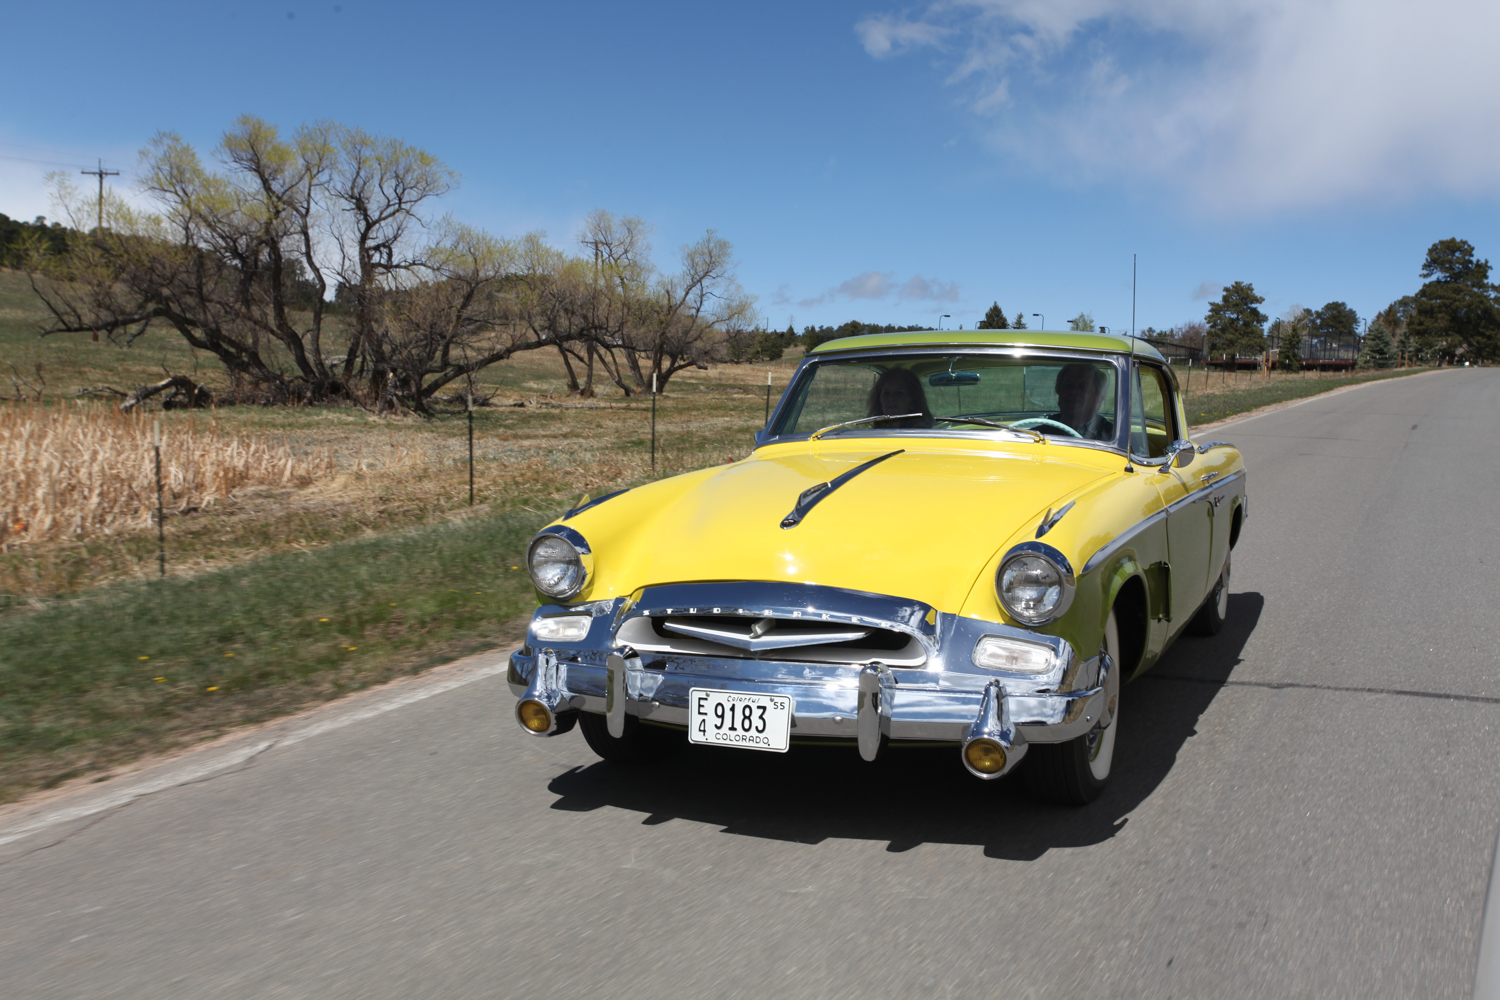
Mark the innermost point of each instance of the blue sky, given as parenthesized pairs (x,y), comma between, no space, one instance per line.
(868,160)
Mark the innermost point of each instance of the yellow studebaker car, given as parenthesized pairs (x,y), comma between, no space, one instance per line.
(964,537)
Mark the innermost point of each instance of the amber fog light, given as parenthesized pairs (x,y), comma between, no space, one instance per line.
(534,716)
(985,756)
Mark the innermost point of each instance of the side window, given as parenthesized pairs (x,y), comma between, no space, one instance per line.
(1151,424)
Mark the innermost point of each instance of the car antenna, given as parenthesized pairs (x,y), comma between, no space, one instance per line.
(1130,374)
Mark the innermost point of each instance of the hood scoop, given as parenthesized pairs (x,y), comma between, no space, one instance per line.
(764,634)
(813,495)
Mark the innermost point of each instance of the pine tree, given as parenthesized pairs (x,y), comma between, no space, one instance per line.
(1379,350)
(1234,324)
(994,319)
(1019,323)
(1289,358)
(1083,323)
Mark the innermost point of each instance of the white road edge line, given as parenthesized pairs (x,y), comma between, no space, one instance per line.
(179,775)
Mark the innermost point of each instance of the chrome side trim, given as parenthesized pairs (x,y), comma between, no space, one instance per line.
(1201,492)
(1121,540)
(1126,536)
(1213,444)
(814,495)
(1050,521)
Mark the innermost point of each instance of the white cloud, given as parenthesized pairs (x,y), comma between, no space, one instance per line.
(1207,290)
(880,285)
(870,285)
(883,34)
(1246,105)
(919,287)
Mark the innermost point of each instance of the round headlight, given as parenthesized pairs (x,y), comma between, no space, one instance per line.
(1035,583)
(557,563)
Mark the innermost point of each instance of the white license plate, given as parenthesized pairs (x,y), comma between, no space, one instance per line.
(734,719)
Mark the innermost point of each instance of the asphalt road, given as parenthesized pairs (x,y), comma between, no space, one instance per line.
(1304,805)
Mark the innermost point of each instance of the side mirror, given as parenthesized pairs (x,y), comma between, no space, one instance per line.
(1180,454)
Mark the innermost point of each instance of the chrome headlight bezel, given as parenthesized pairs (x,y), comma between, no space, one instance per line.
(584,557)
(1068,583)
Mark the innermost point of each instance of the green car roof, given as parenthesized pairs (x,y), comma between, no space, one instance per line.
(1006,338)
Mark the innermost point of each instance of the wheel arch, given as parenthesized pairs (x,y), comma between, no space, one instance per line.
(1129,599)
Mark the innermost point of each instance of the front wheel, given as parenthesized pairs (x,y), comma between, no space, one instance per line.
(1210,618)
(641,744)
(1075,773)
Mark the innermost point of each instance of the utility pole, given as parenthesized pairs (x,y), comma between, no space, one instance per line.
(101,173)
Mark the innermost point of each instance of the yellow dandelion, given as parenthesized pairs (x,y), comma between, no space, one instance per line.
(143,657)
(213,689)
(158,679)
(228,654)
(322,619)
(353,648)
(515,567)
(393,604)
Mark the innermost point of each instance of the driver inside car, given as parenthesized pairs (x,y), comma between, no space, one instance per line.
(1080,390)
(896,391)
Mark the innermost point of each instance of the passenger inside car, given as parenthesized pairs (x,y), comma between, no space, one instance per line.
(1080,390)
(898,390)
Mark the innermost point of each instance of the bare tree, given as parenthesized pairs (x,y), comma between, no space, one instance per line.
(241,263)
(458,319)
(311,268)
(684,317)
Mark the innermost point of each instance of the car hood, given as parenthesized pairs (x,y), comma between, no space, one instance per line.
(920,525)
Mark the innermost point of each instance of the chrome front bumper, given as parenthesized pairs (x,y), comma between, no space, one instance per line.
(916,704)
(949,699)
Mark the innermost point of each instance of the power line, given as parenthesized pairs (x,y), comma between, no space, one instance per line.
(44,149)
(28,159)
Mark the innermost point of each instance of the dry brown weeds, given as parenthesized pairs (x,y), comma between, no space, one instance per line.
(92,471)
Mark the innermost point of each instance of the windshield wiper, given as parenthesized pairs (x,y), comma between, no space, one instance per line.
(1038,435)
(862,420)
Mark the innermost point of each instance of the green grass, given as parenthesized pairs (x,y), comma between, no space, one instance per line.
(1206,408)
(89,683)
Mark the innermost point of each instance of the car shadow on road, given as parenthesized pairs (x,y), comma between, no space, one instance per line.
(922,795)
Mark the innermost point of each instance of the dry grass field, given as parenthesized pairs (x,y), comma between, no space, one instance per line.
(536,450)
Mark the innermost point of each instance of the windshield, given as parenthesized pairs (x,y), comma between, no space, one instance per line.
(1061,399)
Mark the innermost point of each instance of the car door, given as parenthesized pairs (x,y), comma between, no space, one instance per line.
(1154,426)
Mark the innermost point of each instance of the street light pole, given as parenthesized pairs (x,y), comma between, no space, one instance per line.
(943,317)
(1043,319)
